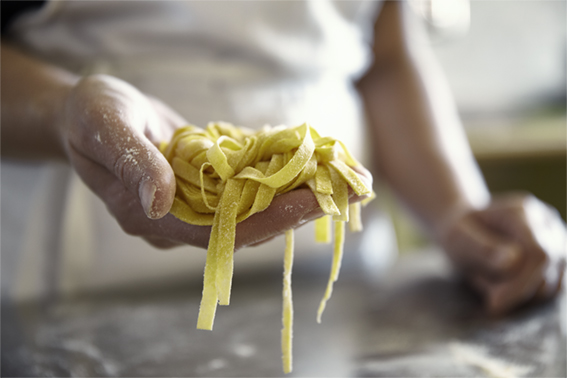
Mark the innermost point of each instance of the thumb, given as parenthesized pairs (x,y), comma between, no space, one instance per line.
(155,184)
(138,164)
(110,132)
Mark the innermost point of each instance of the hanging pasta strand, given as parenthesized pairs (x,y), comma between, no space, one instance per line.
(323,229)
(287,317)
(335,267)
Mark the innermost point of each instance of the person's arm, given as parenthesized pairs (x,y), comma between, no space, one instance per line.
(33,99)
(416,132)
(421,151)
(108,132)
(94,122)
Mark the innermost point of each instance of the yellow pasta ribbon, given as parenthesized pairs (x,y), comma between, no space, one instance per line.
(355,221)
(287,318)
(335,267)
(323,229)
(226,174)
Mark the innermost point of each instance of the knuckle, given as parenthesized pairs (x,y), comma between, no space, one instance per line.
(88,127)
(486,249)
(120,166)
(126,165)
(83,127)
(92,83)
(540,257)
(94,79)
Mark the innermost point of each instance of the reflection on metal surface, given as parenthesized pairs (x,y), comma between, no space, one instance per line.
(418,320)
(476,356)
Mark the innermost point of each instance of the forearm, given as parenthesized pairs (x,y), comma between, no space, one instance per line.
(420,147)
(33,99)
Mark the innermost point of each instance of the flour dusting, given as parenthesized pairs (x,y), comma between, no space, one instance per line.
(494,367)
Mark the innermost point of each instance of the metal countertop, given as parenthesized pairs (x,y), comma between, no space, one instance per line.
(418,320)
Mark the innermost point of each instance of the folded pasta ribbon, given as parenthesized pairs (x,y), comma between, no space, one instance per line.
(225,174)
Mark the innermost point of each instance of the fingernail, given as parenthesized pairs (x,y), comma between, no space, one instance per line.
(147,193)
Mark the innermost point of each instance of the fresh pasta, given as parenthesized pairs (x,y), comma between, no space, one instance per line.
(225,174)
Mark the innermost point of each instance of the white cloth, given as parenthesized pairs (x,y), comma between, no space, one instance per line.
(250,63)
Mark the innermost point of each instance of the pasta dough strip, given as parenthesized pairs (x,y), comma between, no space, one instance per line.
(340,196)
(351,177)
(323,229)
(290,170)
(335,266)
(265,194)
(209,299)
(287,318)
(219,161)
(185,213)
(355,222)
(226,236)
(323,180)
(191,174)
(325,201)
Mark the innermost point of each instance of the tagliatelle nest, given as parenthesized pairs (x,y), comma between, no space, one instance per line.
(225,174)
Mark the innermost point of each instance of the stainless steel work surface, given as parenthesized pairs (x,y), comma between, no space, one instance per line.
(418,320)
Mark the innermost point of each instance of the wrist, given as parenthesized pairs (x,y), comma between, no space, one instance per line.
(472,196)
(57,112)
(60,115)
(452,216)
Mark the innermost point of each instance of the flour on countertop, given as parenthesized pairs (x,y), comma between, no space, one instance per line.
(479,357)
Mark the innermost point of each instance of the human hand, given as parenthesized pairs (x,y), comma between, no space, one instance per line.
(512,252)
(110,131)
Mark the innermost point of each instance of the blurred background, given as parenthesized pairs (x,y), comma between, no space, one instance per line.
(506,64)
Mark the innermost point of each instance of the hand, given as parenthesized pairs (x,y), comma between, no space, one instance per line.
(110,131)
(512,252)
